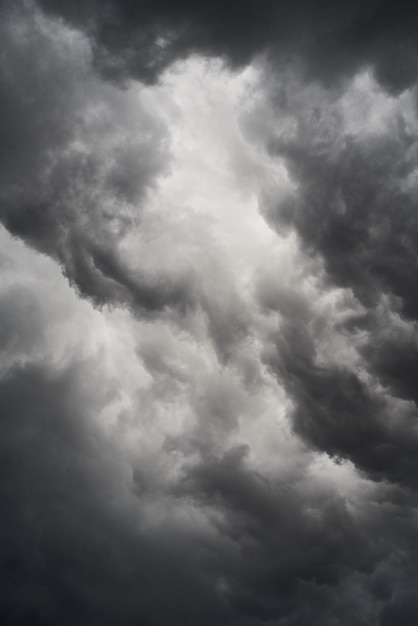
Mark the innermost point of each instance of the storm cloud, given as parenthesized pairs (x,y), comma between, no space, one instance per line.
(208,313)
(328,40)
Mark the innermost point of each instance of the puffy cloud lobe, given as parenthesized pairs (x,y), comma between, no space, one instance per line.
(95,521)
(73,550)
(75,542)
(330,41)
(78,158)
(355,206)
(279,541)
(351,164)
(339,414)
(237,445)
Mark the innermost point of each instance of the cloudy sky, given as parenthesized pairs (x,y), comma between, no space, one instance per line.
(208,313)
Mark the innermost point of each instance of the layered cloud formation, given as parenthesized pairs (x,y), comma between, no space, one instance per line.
(208,314)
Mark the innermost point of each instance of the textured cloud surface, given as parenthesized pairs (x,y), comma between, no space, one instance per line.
(208,313)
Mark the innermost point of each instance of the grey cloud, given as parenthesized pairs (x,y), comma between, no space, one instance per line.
(393,358)
(329,40)
(78,158)
(74,545)
(351,203)
(354,198)
(340,415)
(135,525)
(289,552)
(71,547)
(283,536)
(77,542)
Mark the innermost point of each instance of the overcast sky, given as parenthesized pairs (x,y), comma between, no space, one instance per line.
(208,313)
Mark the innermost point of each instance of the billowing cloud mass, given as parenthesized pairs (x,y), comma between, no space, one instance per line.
(208,313)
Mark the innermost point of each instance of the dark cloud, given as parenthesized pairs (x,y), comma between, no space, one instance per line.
(339,414)
(77,158)
(351,200)
(71,546)
(92,533)
(355,202)
(329,40)
(75,544)
(279,540)
(233,441)
(393,358)
(289,552)
(351,161)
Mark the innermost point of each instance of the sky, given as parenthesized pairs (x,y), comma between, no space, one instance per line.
(208,313)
